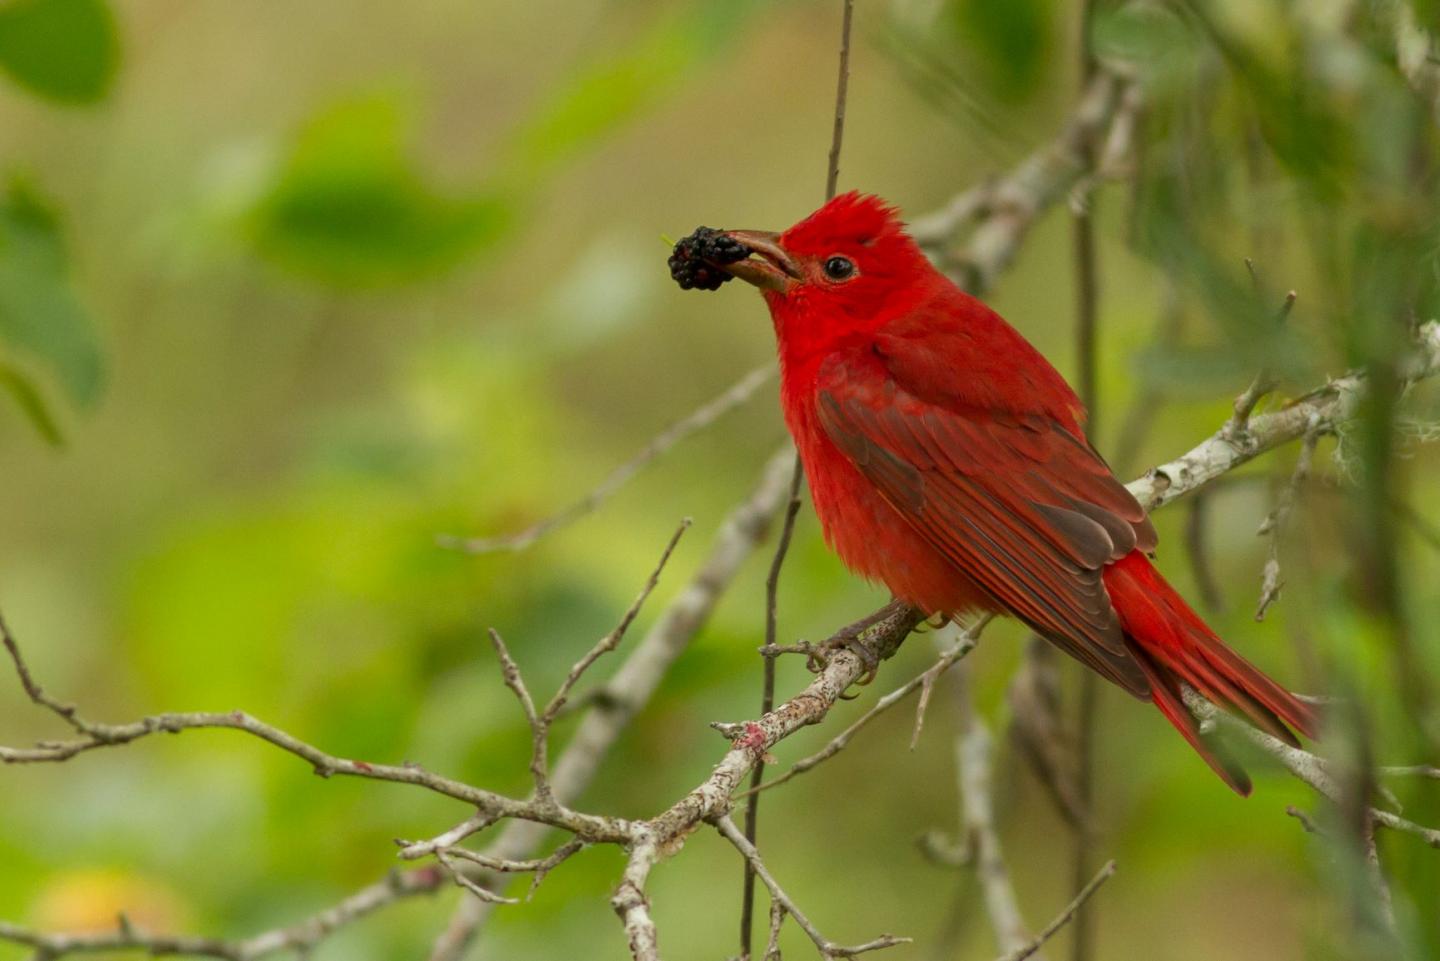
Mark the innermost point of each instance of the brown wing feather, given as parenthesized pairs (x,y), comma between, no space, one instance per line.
(1018,504)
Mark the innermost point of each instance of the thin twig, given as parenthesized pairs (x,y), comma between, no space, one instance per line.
(481,892)
(300,938)
(539,736)
(922,681)
(1263,383)
(1306,821)
(1321,409)
(1012,204)
(767,696)
(635,682)
(827,948)
(1274,524)
(612,640)
(777,921)
(1040,729)
(1410,770)
(1072,910)
(699,419)
(539,867)
(1310,768)
(1087,300)
(973,750)
(414,850)
(782,547)
(842,89)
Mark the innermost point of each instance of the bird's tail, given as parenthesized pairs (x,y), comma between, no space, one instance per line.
(1174,646)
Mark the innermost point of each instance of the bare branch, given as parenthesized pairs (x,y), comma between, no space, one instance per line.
(1410,770)
(753,739)
(537,866)
(922,681)
(413,850)
(1008,207)
(973,747)
(1306,821)
(539,735)
(701,418)
(635,682)
(767,697)
(1064,917)
(483,893)
(827,948)
(1310,768)
(842,85)
(1040,730)
(631,904)
(1197,541)
(1322,409)
(300,937)
(777,921)
(612,640)
(1274,524)
(592,827)
(1263,383)
(772,621)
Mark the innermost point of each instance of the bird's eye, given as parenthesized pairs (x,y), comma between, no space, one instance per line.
(839,268)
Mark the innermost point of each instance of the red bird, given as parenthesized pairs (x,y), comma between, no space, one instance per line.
(947,459)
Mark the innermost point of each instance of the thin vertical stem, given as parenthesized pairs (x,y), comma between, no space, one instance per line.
(1087,295)
(767,700)
(842,93)
(772,582)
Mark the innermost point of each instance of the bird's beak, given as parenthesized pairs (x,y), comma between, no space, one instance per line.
(769,267)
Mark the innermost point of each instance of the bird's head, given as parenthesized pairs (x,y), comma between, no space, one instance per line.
(850,264)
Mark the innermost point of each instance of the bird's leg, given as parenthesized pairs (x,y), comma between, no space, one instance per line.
(849,638)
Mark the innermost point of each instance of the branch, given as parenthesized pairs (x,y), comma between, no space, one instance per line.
(592,827)
(772,581)
(1263,383)
(923,681)
(1065,916)
(1008,207)
(662,836)
(539,722)
(633,684)
(828,949)
(699,419)
(300,937)
(1274,523)
(973,746)
(1323,410)
(1310,768)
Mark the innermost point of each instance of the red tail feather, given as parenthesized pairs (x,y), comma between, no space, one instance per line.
(1174,645)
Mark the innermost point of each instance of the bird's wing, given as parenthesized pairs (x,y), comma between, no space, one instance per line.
(1016,501)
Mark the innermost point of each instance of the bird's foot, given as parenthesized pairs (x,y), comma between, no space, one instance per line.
(851,638)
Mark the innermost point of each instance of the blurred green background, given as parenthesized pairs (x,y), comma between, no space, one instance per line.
(288,289)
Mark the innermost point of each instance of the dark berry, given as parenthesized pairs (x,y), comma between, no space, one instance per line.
(695,260)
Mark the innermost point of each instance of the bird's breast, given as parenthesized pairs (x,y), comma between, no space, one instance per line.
(870,536)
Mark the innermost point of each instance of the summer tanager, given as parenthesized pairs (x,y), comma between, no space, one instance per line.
(947,459)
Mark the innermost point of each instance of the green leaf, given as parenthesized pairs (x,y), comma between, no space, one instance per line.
(39,311)
(66,50)
(32,405)
(349,207)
